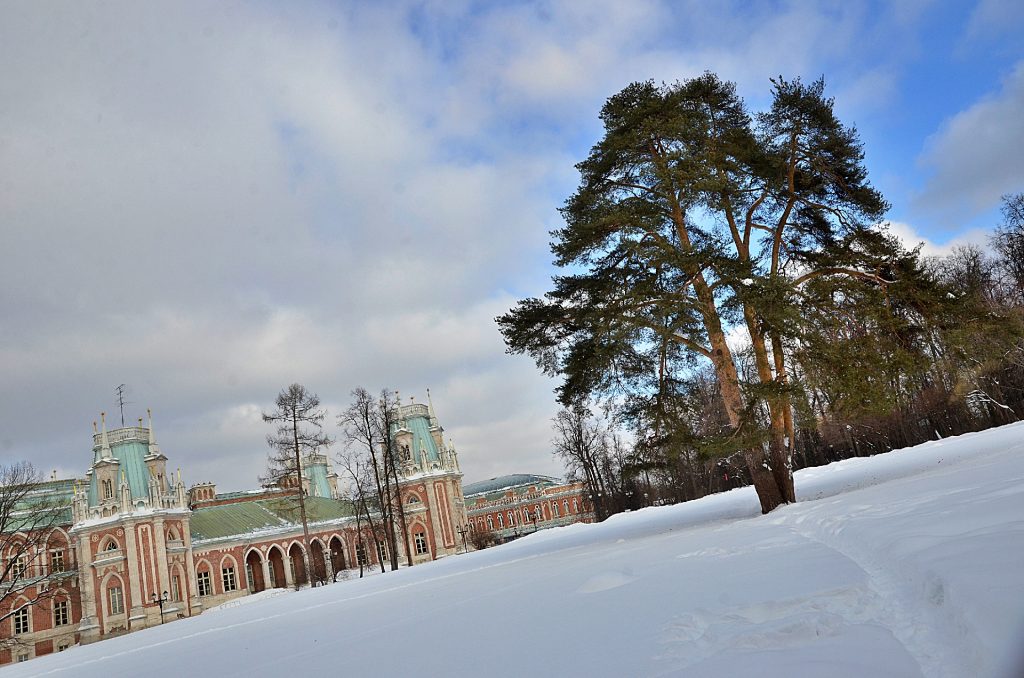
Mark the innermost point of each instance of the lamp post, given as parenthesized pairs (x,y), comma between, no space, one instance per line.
(160,600)
(463,530)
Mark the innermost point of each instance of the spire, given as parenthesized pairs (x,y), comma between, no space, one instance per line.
(104,443)
(398,405)
(153,447)
(430,409)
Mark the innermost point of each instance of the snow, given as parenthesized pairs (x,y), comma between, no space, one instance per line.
(904,564)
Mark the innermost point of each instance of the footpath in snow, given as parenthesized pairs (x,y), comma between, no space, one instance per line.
(905,564)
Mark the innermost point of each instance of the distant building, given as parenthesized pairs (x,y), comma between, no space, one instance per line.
(134,533)
(513,505)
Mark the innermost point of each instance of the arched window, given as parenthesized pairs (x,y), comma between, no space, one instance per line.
(554,509)
(501,521)
(511,518)
(575,505)
(111,545)
(413,499)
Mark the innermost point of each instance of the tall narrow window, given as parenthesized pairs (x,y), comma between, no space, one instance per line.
(501,521)
(490,523)
(227,577)
(360,554)
(20,567)
(115,600)
(382,550)
(61,613)
(205,583)
(176,588)
(421,543)
(21,621)
(554,509)
(575,505)
(56,561)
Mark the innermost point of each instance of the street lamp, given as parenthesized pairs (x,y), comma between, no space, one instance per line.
(463,530)
(160,600)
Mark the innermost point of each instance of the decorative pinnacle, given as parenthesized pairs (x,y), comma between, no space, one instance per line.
(104,443)
(430,409)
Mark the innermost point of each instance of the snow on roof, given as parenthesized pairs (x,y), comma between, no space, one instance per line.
(506,482)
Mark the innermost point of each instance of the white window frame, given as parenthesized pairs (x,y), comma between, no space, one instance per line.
(204,584)
(61,613)
(22,621)
(228,579)
(421,543)
(57,564)
(115,601)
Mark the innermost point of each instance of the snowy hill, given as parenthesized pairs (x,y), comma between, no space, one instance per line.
(905,564)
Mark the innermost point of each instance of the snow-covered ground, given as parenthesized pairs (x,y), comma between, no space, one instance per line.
(905,564)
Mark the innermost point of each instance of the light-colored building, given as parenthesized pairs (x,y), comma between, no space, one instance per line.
(514,505)
(138,549)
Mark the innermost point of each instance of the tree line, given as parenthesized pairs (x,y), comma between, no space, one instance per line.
(732,304)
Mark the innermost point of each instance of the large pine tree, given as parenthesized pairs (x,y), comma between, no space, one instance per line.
(694,220)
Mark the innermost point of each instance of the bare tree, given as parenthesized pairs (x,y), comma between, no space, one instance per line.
(368,425)
(29,512)
(388,415)
(362,494)
(580,442)
(299,419)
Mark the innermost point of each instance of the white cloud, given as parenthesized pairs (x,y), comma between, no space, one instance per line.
(911,238)
(209,203)
(978,154)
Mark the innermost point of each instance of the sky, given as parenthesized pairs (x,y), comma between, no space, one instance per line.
(209,201)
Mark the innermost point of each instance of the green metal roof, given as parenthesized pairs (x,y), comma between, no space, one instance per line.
(502,483)
(131,457)
(48,504)
(415,418)
(227,520)
(242,518)
(317,474)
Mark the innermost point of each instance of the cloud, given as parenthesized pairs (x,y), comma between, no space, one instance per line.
(911,238)
(977,155)
(991,18)
(208,203)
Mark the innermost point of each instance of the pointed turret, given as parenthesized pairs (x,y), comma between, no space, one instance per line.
(153,447)
(430,409)
(104,442)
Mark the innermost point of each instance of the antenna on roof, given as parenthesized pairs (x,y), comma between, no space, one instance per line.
(121,402)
